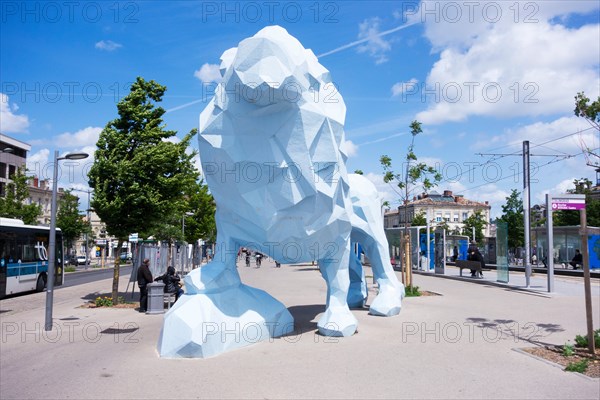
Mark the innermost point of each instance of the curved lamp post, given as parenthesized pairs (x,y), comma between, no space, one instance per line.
(52,238)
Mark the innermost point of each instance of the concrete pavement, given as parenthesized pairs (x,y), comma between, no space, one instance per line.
(456,345)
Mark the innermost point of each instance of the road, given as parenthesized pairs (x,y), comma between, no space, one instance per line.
(91,275)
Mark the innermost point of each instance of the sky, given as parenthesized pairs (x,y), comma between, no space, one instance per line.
(481,77)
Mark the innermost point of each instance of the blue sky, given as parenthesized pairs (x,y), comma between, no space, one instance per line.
(481,77)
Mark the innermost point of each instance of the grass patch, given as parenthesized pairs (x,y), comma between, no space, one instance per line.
(70,268)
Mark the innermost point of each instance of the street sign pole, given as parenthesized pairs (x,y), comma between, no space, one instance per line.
(586,281)
(550,240)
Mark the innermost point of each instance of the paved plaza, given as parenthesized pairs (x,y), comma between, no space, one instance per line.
(459,344)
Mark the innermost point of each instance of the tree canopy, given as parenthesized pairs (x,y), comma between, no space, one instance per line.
(68,219)
(416,175)
(512,214)
(477,221)
(587,110)
(141,172)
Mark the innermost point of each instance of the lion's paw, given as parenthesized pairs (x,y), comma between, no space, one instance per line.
(388,302)
(337,321)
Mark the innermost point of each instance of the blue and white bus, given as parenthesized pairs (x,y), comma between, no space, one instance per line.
(24,257)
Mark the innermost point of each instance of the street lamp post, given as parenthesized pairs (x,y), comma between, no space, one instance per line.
(52,238)
(186,214)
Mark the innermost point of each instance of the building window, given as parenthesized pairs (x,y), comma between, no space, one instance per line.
(2,170)
(438,217)
(11,171)
(465,215)
(447,217)
(455,217)
(2,189)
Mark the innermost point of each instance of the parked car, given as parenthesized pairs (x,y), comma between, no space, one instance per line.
(126,257)
(82,260)
(70,260)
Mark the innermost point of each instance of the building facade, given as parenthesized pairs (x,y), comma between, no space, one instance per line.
(439,208)
(13,155)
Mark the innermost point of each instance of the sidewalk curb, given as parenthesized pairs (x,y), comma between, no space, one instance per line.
(555,365)
(487,282)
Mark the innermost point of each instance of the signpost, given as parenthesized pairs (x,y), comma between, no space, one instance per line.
(568,203)
(572,202)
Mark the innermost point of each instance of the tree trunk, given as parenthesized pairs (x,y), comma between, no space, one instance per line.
(115,285)
(407,261)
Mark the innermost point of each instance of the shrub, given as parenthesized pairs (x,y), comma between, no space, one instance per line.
(568,350)
(104,301)
(579,366)
(412,291)
(582,340)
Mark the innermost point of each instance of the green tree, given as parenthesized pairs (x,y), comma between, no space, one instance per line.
(477,221)
(358,172)
(419,219)
(13,205)
(201,224)
(456,231)
(416,176)
(512,214)
(139,176)
(68,219)
(587,110)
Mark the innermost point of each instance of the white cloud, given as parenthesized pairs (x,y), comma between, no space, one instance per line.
(36,159)
(72,173)
(401,87)
(376,46)
(539,133)
(107,45)
(9,121)
(84,137)
(349,148)
(507,69)
(208,73)
(386,191)
(461,24)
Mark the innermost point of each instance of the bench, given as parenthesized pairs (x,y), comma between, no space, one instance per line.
(169,298)
(464,264)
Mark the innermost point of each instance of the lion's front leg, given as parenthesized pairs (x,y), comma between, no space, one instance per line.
(219,313)
(388,301)
(337,319)
(220,273)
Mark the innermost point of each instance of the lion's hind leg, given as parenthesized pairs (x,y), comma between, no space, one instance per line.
(388,301)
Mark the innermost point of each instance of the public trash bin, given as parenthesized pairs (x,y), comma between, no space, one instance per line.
(156,303)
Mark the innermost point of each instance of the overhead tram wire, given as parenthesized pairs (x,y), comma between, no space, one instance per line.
(517,152)
(519,173)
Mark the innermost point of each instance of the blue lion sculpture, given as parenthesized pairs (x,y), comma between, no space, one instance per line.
(272,152)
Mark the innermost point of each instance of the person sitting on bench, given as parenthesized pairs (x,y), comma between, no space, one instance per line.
(171,282)
(577,259)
